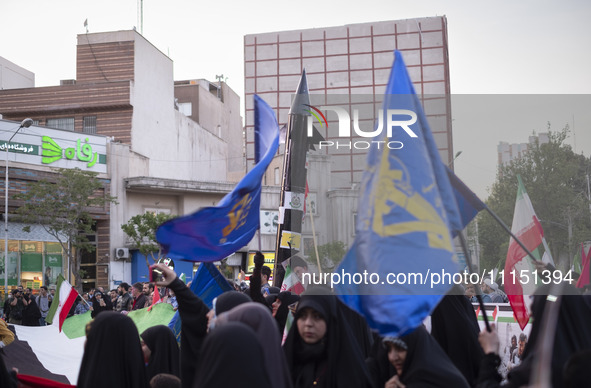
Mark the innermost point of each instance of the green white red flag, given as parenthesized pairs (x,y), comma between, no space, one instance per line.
(527,228)
(291,282)
(64,299)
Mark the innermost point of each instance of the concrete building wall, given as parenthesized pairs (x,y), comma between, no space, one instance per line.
(13,76)
(152,97)
(343,209)
(216,111)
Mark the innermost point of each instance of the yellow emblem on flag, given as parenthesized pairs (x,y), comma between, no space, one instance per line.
(291,240)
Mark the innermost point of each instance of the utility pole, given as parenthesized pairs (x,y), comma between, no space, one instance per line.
(140,16)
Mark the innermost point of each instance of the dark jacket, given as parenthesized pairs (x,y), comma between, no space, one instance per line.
(139,302)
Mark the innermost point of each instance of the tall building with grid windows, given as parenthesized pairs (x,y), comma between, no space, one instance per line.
(348,66)
(352,60)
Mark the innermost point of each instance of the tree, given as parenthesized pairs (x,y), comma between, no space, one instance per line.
(141,230)
(554,177)
(330,254)
(64,206)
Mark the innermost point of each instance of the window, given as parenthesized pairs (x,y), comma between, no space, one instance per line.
(89,125)
(277,176)
(66,123)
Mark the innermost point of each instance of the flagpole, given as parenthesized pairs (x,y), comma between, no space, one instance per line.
(314,236)
(476,286)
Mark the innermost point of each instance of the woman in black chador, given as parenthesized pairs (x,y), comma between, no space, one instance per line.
(112,338)
(161,351)
(99,304)
(320,348)
(232,356)
(420,362)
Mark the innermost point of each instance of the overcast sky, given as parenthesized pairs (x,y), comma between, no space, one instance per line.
(534,47)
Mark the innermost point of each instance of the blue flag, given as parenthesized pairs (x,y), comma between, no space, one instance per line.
(406,215)
(468,203)
(208,283)
(213,233)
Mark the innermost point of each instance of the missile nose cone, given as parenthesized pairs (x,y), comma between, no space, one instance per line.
(301,98)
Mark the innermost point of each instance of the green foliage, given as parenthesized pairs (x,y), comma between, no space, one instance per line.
(62,207)
(330,254)
(555,180)
(141,230)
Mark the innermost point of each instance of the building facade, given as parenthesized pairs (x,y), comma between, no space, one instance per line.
(170,148)
(508,152)
(346,66)
(36,257)
(13,76)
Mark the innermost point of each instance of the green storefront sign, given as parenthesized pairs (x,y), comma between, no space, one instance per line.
(20,148)
(83,152)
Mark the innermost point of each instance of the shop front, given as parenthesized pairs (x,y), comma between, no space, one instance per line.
(34,259)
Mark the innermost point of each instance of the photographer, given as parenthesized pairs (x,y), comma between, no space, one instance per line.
(17,307)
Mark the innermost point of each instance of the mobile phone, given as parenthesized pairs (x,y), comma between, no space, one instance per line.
(155,274)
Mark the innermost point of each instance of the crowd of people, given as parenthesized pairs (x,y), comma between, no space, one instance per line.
(241,342)
(24,307)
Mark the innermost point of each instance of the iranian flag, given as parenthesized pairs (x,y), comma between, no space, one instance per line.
(291,282)
(585,267)
(527,228)
(65,297)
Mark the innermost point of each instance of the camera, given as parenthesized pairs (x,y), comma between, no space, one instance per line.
(156,275)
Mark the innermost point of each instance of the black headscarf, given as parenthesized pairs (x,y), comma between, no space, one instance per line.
(426,364)
(286,298)
(96,305)
(359,327)
(31,314)
(231,356)
(572,334)
(455,327)
(260,320)
(228,300)
(7,379)
(380,368)
(112,339)
(335,361)
(164,357)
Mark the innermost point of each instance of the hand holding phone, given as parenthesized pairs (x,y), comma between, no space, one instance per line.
(161,274)
(156,274)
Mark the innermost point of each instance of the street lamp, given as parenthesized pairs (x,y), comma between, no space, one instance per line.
(26,123)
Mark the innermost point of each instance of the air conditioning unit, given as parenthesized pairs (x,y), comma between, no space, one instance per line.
(121,253)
